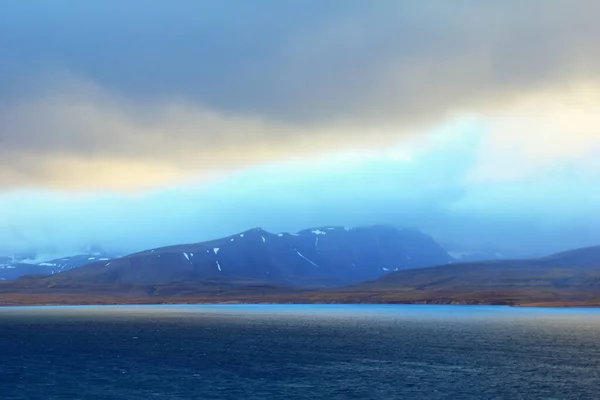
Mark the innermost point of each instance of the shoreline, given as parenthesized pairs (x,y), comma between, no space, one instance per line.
(562,305)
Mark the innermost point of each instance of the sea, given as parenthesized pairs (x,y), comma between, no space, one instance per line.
(299,352)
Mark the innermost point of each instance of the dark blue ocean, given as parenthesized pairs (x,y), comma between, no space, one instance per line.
(298,352)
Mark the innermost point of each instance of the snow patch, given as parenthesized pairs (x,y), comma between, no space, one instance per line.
(280,234)
(242,235)
(216,250)
(300,254)
(186,256)
(219,266)
(385,269)
(44,258)
(263,239)
(319,232)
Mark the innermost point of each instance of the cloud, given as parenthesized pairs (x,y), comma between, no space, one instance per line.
(326,60)
(548,133)
(166,94)
(82,137)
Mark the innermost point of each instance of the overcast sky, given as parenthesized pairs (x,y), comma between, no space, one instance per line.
(133,124)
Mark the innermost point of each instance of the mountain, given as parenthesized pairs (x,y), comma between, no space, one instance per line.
(15,266)
(567,277)
(217,275)
(316,257)
(10,268)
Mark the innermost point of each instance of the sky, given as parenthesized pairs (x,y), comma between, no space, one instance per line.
(138,124)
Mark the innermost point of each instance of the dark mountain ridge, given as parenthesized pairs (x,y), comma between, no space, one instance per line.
(568,276)
(551,271)
(316,257)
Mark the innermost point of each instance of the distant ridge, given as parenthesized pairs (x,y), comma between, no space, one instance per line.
(568,277)
(315,257)
(15,266)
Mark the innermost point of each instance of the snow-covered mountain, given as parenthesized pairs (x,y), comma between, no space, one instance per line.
(323,256)
(17,265)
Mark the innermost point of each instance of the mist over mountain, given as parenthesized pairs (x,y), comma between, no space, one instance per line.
(16,265)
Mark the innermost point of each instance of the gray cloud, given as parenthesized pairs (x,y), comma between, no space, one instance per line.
(311,59)
(208,86)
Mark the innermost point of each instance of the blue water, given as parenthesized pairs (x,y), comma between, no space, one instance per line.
(299,352)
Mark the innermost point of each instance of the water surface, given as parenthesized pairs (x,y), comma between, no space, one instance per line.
(299,352)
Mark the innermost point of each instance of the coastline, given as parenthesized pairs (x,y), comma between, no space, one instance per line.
(145,301)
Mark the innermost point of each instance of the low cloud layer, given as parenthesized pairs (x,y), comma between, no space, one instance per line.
(423,183)
(167,93)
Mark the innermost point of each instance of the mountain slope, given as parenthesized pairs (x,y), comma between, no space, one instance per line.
(566,279)
(10,269)
(15,266)
(318,257)
(563,277)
